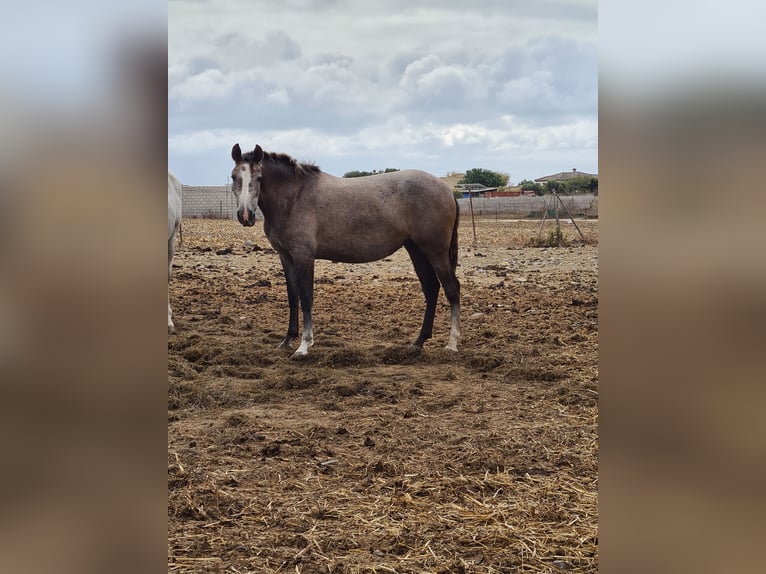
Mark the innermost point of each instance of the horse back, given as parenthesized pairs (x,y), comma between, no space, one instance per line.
(368,218)
(397,195)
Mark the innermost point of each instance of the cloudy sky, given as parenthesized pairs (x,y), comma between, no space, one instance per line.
(438,85)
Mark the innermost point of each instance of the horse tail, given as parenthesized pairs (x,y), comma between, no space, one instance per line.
(453,242)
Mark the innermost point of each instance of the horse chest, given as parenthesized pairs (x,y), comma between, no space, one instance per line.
(282,240)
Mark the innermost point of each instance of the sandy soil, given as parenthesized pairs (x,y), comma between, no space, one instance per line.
(368,455)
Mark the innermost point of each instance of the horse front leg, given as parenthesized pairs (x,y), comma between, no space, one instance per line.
(171,251)
(292,299)
(304,272)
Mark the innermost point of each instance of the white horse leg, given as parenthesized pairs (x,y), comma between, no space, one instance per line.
(307,340)
(454,331)
(304,274)
(171,250)
(171,327)
(449,281)
(174,226)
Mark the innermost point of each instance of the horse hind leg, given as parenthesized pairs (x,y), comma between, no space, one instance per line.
(449,281)
(304,273)
(430,285)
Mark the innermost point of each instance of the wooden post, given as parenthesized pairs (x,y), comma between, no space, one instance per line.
(473,223)
(572,220)
(545,216)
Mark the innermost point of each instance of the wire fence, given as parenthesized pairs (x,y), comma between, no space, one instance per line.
(218,202)
(529,207)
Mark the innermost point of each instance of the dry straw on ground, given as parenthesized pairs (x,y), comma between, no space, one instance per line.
(369,456)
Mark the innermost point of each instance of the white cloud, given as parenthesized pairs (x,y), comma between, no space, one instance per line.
(279,97)
(528,88)
(430,77)
(338,81)
(507,134)
(207,85)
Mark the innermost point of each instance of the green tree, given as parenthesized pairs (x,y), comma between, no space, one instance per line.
(486,177)
(529,185)
(551,186)
(579,185)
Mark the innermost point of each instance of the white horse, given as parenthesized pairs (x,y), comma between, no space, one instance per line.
(174,223)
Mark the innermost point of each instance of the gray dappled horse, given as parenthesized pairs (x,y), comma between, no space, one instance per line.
(174,223)
(309,214)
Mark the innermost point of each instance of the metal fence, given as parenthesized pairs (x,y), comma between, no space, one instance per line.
(529,207)
(218,202)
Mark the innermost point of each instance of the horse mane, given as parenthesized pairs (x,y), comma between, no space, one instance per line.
(285,161)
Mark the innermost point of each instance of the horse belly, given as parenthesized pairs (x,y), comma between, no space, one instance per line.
(369,235)
(357,251)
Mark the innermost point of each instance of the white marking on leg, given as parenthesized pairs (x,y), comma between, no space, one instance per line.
(307,340)
(454,332)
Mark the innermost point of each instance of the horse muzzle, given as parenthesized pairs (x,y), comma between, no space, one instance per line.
(246,217)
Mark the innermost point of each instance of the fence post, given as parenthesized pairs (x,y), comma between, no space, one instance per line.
(470,203)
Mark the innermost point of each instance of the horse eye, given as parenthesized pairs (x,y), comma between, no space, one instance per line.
(258,178)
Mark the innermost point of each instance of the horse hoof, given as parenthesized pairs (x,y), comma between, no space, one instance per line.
(298,355)
(171,329)
(452,348)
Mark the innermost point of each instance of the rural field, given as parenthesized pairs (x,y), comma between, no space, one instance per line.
(370,455)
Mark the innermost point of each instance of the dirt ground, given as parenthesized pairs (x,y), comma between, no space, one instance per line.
(368,455)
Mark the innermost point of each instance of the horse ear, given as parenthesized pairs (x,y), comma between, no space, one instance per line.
(258,154)
(236,153)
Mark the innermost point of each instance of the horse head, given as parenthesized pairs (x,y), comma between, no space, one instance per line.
(246,182)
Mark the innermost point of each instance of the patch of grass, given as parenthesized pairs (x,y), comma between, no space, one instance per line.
(555,238)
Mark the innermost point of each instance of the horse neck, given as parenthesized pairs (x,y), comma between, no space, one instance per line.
(278,191)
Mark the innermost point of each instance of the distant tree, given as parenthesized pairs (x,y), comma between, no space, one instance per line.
(486,177)
(567,187)
(356,173)
(528,185)
(579,185)
(551,186)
